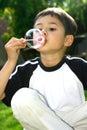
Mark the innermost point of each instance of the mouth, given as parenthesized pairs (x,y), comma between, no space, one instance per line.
(39,42)
(40,46)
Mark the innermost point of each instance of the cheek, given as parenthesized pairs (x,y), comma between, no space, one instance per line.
(57,38)
(58,41)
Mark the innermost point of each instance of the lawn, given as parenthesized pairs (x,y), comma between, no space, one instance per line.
(7,121)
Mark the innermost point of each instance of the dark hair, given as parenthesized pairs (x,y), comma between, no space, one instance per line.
(67,21)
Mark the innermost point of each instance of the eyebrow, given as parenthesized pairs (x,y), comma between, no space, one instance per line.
(49,23)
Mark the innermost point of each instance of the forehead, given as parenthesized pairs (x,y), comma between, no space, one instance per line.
(48,19)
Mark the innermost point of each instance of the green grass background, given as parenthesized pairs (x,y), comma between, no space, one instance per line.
(7,121)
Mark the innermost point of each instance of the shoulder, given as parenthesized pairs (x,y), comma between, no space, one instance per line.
(77,65)
(29,63)
(27,67)
(76,61)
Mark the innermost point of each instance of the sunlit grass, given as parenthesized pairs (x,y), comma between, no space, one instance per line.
(86,94)
(7,121)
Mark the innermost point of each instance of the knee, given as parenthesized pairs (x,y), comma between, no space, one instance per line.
(22,99)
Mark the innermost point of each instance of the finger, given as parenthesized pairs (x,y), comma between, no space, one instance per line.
(23,40)
(15,42)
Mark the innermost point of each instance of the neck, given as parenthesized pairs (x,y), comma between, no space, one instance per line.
(51,60)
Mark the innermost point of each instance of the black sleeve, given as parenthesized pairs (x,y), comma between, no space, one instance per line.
(19,79)
(84,74)
(79,67)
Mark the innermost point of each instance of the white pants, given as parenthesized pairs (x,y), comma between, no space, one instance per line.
(31,110)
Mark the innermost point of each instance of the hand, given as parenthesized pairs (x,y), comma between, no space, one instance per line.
(13,48)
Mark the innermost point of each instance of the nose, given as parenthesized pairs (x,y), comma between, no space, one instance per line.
(44,32)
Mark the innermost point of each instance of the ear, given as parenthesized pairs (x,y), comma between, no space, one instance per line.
(69,40)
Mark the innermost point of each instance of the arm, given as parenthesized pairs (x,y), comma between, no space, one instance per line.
(13,49)
(4,76)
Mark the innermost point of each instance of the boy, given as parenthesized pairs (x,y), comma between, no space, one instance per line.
(47,93)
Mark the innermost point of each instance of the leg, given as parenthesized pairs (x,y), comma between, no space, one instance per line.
(32,112)
(77,117)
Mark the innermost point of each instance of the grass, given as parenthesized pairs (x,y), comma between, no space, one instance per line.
(7,121)
(86,94)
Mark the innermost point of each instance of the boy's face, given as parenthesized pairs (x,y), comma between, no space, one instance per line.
(54,32)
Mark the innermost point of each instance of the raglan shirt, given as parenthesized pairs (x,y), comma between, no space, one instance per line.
(62,86)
